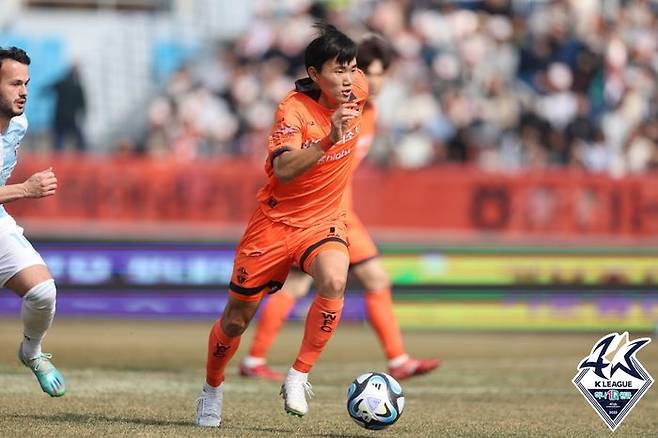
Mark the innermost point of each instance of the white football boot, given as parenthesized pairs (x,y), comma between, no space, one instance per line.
(293,390)
(209,407)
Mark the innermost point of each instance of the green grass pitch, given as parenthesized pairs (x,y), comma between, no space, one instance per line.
(140,378)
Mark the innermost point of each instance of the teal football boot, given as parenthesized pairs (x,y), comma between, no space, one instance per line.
(50,379)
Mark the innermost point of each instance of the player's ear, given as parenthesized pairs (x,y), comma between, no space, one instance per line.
(313,73)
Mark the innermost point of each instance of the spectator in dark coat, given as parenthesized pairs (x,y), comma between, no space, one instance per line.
(70,108)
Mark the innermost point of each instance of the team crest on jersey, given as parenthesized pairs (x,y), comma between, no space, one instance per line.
(612,379)
(242,275)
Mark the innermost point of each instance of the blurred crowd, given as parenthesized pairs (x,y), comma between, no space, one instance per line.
(501,84)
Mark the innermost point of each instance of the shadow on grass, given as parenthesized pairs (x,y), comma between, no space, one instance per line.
(308,434)
(94,418)
(91,418)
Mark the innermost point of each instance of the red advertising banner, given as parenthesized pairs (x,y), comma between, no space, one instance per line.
(143,190)
(534,202)
(445,198)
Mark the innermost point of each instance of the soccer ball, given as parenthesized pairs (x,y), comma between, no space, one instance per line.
(375,400)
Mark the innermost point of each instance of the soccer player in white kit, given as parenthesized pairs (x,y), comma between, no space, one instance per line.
(21,268)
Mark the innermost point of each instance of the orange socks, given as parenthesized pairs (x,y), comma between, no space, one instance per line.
(321,322)
(275,312)
(379,306)
(221,349)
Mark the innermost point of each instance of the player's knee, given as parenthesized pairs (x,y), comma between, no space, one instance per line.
(297,284)
(372,275)
(298,288)
(332,285)
(237,316)
(297,293)
(379,281)
(234,326)
(42,296)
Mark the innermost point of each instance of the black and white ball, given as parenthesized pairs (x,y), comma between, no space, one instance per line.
(375,400)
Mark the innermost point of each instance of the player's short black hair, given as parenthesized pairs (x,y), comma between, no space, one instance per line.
(331,44)
(14,53)
(372,48)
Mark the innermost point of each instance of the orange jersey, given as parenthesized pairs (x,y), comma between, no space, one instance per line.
(366,136)
(317,194)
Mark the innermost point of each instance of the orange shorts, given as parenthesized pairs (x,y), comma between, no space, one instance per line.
(362,248)
(268,249)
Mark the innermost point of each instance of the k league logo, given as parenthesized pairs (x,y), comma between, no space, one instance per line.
(612,379)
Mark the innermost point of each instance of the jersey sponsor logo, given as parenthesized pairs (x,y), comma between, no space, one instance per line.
(612,379)
(328,158)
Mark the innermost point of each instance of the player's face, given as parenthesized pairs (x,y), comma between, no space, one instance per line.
(14,77)
(335,81)
(376,74)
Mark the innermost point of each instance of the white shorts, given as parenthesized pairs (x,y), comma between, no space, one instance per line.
(16,252)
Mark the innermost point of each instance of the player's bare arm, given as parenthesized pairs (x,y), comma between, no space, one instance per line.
(290,164)
(39,185)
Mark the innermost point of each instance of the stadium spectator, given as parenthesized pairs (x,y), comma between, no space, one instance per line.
(470,77)
(70,109)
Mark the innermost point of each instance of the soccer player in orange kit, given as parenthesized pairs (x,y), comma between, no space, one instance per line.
(300,218)
(374,57)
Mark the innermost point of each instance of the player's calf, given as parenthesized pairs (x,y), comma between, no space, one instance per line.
(37,312)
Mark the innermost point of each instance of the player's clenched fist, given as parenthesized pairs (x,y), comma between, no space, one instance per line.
(340,120)
(41,184)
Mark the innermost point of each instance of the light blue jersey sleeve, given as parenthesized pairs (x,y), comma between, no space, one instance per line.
(11,140)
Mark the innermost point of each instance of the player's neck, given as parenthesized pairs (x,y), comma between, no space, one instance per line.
(308,87)
(328,103)
(4,124)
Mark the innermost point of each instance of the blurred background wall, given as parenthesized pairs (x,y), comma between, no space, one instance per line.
(511,183)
